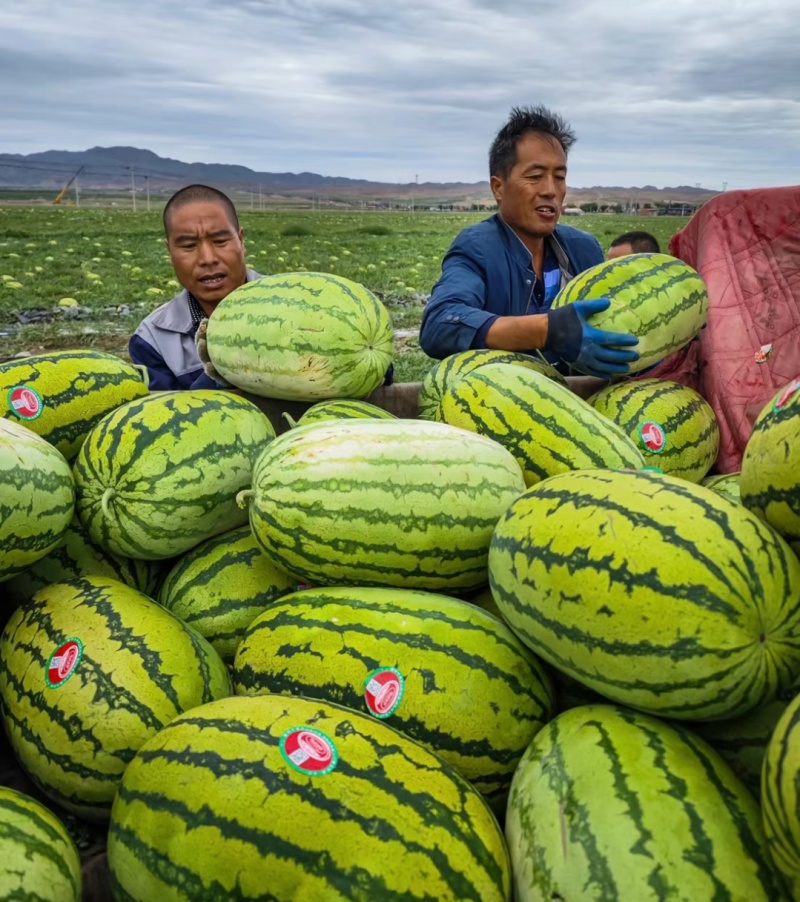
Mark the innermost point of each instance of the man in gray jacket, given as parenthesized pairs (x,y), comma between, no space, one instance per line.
(206,248)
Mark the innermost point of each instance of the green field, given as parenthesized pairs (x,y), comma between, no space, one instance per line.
(114,264)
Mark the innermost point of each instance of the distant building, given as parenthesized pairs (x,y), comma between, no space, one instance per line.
(571,211)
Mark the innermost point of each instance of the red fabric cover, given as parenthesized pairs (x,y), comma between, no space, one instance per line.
(746,247)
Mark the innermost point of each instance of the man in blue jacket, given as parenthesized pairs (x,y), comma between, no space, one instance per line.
(500,276)
(206,248)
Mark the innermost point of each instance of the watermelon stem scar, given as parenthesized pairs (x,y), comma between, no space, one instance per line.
(289,419)
(104,501)
(242,498)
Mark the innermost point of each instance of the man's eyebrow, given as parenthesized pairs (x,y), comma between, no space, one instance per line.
(543,166)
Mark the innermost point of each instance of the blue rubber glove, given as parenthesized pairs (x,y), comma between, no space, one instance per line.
(592,351)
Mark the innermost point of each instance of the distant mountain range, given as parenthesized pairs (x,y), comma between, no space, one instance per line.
(117,168)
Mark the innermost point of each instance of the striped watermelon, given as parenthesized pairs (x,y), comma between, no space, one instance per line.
(62,395)
(302,336)
(658,298)
(743,741)
(652,591)
(770,480)
(343,409)
(445,372)
(726,485)
(435,668)
(159,475)
(382,502)
(672,426)
(780,795)
(289,798)
(544,425)
(610,804)
(484,599)
(38,859)
(75,556)
(89,669)
(221,586)
(37,498)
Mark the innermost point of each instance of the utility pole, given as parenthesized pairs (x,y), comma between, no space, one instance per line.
(260,200)
(133,190)
(77,193)
(724,186)
(147,185)
(251,197)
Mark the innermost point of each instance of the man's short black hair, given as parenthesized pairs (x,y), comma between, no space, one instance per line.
(193,194)
(640,242)
(523,120)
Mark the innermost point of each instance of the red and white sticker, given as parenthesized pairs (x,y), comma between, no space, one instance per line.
(787,394)
(653,436)
(300,586)
(25,402)
(763,354)
(63,663)
(383,691)
(309,751)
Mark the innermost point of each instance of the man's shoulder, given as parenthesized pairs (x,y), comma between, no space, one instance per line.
(174,316)
(572,237)
(480,236)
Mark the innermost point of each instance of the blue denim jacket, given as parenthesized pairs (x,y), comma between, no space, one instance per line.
(487,273)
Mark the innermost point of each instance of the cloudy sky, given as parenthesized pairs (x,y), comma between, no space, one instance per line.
(660,92)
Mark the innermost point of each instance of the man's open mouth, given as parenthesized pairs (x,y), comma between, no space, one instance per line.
(213,280)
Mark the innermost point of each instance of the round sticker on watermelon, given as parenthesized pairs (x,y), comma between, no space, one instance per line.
(25,402)
(383,691)
(63,662)
(309,751)
(786,395)
(653,436)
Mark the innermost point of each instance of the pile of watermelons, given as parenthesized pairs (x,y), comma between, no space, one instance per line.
(525,643)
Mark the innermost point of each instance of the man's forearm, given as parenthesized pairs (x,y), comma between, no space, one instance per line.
(518,333)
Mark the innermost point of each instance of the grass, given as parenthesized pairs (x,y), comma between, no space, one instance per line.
(106,259)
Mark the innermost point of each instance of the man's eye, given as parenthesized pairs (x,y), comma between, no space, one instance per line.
(220,242)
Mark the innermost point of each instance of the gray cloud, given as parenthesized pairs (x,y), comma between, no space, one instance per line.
(666,92)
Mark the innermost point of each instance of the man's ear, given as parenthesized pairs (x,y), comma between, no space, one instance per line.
(496,184)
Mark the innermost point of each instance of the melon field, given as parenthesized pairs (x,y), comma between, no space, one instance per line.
(113,263)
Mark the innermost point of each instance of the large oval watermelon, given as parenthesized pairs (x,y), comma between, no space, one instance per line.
(610,804)
(655,297)
(89,669)
(544,425)
(770,480)
(160,474)
(672,425)
(302,336)
(382,502)
(651,590)
(292,799)
(37,498)
(38,859)
(62,395)
(438,669)
(344,409)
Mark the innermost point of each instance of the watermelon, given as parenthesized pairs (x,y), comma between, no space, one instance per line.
(770,480)
(76,555)
(89,669)
(726,484)
(743,741)
(655,297)
(301,336)
(62,395)
(673,426)
(435,668)
(780,795)
(221,586)
(381,502)
(445,372)
(653,591)
(159,475)
(292,798)
(39,860)
(341,410)
(611,804)
(37,498)
(544,425)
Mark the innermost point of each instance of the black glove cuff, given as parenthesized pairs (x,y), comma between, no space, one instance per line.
(564,333)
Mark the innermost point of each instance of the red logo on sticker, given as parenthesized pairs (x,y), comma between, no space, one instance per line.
(309,751)
(25,402)
(653,436)
(383,691)
(63,662)
(787,394)
(301,586)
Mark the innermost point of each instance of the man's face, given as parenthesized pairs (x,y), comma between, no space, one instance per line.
(621,250)
(206,251)
(530,197)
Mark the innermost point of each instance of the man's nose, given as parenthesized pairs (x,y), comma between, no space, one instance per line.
(208,252)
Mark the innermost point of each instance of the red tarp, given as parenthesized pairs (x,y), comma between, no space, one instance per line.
(746,246)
